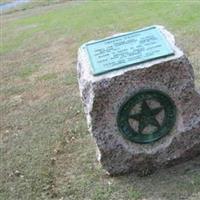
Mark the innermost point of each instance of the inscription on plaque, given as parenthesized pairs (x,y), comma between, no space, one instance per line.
(128,49)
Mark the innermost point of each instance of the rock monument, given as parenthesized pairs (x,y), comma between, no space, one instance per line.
(140,101)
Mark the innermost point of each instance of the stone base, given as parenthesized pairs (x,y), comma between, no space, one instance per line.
(103,95)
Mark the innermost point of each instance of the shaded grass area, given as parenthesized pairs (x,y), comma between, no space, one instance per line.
(46,151)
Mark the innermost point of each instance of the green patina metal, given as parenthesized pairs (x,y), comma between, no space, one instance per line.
(147,116)
(128,49)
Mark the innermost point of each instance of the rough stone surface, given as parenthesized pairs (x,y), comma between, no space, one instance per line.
(103,95)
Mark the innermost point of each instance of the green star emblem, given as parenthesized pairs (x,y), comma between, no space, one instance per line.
(147,116)
(134,123)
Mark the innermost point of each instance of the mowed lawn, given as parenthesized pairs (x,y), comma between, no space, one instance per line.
(46,151)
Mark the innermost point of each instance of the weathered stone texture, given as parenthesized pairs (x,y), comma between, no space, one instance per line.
(103,95)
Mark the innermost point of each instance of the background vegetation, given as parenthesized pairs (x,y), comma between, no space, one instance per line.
(46,151)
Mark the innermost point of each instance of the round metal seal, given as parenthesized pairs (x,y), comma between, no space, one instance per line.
(147,116)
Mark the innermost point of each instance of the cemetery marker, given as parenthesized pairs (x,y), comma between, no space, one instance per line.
(128,49)
(140,101)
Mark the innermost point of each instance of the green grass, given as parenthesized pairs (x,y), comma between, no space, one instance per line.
(46,151)
(88,19)
(47,77)
(28,70)
(5,1)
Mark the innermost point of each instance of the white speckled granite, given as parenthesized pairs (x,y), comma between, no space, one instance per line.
(103,95)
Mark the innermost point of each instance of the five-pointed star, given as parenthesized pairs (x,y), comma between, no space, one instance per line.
(147,116)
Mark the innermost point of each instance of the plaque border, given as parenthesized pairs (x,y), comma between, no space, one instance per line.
(134,63)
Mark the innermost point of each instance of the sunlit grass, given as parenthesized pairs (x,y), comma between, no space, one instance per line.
(46,151)
(86,19)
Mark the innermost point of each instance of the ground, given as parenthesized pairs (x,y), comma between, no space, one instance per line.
(45,149)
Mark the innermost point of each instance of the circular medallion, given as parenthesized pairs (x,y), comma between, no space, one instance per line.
(147,116)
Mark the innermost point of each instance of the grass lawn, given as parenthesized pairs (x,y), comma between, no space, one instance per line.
(46,151)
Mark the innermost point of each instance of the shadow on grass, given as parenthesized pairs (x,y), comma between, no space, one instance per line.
(81,177)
